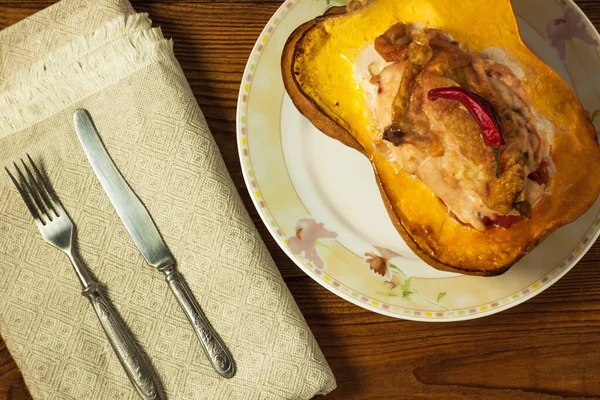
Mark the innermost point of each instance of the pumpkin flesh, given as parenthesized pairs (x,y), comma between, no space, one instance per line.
(319,72)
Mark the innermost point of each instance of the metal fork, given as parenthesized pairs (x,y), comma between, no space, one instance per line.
(57,229)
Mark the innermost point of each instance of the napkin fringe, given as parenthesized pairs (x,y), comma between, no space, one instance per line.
(88,64)
(79,47)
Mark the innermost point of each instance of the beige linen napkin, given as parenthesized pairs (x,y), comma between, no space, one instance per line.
(100,56)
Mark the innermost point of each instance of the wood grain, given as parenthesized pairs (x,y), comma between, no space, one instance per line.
(547,348)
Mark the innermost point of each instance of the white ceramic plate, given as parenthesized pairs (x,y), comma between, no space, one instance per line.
(312,192)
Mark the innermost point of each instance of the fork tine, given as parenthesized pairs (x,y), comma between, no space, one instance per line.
(44,194)
(56,206)
(28,203)
(33,195)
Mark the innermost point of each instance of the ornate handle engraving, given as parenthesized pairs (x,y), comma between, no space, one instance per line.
(213,346)
(130,356)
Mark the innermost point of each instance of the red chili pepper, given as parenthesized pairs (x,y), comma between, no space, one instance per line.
(484,113)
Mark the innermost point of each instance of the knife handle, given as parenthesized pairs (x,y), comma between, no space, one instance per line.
(133,361)
(213,346)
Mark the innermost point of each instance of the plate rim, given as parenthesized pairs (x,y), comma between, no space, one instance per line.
(559,271)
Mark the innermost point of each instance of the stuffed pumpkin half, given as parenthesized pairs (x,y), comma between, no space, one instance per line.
(479,148)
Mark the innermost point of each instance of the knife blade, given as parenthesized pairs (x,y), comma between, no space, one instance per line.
(132,212)
(145,234)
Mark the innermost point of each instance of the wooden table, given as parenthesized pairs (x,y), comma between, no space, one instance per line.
(547,348)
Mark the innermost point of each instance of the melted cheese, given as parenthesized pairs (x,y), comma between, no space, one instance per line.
(452,178)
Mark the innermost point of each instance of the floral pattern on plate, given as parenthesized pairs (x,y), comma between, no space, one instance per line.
(306,240)
(568,27)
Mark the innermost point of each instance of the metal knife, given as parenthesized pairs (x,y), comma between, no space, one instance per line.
(145,234)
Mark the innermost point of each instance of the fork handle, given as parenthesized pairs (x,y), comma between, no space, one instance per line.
(133,361)
(216,351)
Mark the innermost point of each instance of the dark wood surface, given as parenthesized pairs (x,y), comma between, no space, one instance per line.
(547,348)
